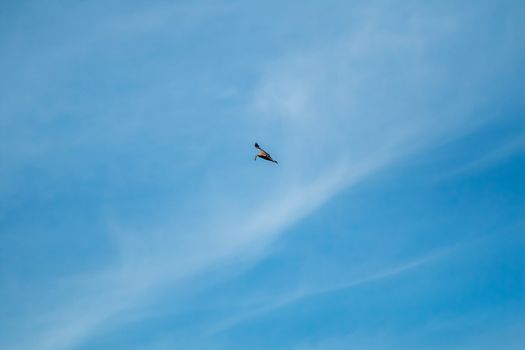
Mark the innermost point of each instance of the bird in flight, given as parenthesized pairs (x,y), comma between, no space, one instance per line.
(263,154)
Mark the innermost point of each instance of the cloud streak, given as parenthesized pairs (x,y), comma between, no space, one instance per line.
(339,112)
(305,292)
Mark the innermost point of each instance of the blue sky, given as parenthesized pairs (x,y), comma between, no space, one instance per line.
(132,214)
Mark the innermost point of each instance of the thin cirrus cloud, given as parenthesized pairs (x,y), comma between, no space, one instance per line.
(338,113)
(274,302)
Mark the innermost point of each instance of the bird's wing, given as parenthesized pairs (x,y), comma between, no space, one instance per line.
(260,149)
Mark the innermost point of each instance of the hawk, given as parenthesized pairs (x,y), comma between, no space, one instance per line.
(263,154)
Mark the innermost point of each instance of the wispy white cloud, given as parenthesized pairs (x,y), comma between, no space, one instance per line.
(491,158)
(508,337)
(303,292)
(146,268)
(337,114)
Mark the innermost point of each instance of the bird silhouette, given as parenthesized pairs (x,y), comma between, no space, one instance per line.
(263,154)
